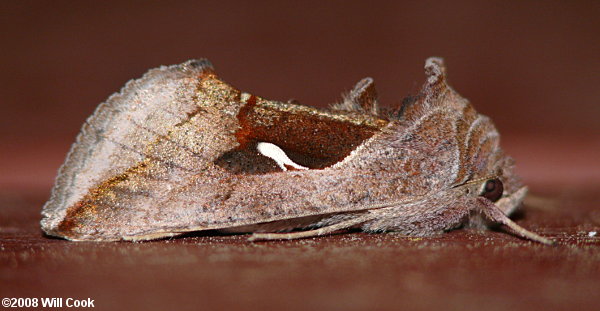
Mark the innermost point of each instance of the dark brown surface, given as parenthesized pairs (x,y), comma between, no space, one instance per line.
(466,270)
(532,66)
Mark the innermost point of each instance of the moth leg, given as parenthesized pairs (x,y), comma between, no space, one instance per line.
(311,233)
(493,213)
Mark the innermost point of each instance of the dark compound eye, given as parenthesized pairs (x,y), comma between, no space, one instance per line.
(492,190)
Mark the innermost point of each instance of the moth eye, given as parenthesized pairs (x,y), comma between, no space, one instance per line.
(492,189)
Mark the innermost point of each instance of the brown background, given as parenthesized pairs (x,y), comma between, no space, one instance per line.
(532,66)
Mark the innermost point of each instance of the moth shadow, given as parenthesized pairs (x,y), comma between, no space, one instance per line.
(519,214)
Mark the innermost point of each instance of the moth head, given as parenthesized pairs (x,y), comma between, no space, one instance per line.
(497,191)
(493,190)
(504,187)
(494,204)
(497,183)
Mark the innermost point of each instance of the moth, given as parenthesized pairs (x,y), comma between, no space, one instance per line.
(180,150)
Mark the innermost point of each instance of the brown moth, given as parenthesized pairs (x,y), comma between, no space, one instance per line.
(180,150)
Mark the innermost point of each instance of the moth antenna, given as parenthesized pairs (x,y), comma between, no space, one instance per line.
(493,213)
(311,233)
